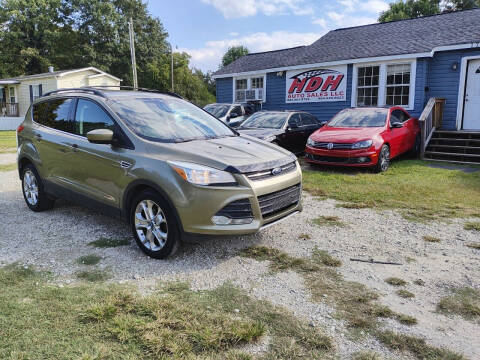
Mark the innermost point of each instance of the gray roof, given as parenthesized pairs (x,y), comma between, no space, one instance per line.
(411,36)
(54,73)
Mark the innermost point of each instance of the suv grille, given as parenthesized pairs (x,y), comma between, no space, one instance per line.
(265,174)
(240,209)
(274,203)
(335,146)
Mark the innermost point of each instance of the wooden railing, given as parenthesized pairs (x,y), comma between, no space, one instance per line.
(430,120)
(9,109)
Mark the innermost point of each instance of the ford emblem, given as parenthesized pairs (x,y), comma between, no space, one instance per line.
(276,171)
(330,146)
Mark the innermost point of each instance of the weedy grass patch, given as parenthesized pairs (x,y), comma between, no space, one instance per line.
(431,239)
(109,242)
(405,294)
(8,142)
(111,321)
(394,281)
(8,167)
(410,186)
(463,301)
(328,221)
(89,260)
(472,225)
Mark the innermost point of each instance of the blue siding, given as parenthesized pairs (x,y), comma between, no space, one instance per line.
(324,111)
(434,78)
(225,90)
(443,82)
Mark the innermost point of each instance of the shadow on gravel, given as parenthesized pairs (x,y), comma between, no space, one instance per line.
(55,239)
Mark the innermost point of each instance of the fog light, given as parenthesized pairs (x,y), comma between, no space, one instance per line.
(223,220)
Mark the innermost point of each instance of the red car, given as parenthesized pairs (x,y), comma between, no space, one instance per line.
(364,137)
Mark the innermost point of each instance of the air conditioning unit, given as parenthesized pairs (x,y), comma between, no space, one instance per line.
(254,94)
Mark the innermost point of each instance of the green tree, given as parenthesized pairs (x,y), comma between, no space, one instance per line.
(461,4)
(409,9)
(233,53)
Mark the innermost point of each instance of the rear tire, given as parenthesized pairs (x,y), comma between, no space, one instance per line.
(33,190)
(154,225)
(383,162)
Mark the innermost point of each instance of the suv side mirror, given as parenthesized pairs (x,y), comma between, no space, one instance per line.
(323,123)
(100,136)
(233,115)
(396,125)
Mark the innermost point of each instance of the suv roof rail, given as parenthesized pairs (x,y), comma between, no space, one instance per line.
(85,89)
(133,88)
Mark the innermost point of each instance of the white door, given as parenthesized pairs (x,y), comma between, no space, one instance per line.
(471,112)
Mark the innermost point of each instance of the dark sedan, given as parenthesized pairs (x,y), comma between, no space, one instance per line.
(288,129)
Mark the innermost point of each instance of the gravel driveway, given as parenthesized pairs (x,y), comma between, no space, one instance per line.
(54,240)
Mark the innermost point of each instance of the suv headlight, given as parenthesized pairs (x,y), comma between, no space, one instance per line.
(202,175)
(310,142)
(362,144)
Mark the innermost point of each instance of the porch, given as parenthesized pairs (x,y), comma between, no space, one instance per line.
(9,109)
(437,144)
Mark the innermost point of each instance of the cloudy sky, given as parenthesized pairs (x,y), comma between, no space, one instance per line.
(206,28)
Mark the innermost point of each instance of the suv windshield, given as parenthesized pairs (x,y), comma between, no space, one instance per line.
(168,119)
(359,118)
(265,121)
(217,110)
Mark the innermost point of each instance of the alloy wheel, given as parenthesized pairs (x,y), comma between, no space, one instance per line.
(151,225)
(30,187)
(385,158)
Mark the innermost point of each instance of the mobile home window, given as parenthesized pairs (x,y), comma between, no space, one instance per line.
(36,91)
(12,95)
(367,85)
(398,84)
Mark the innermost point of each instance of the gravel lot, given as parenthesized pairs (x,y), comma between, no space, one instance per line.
(53,241)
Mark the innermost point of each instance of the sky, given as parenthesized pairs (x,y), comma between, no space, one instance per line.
(206,28)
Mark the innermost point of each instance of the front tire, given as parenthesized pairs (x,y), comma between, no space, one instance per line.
(154,225)
(383,162)
(33,191)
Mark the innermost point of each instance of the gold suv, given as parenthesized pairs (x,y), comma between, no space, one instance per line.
(164,165)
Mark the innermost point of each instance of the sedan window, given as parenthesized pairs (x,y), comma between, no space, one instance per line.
(359,118)
(265,121)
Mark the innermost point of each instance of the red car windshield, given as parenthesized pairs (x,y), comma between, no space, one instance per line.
(349,118)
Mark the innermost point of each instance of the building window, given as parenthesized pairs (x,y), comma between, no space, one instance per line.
(12,95)
(367,85)
(241,84)
(36,91)
(257,83)
(398,84)
(384,84)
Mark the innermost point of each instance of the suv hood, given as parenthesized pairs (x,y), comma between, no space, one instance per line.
(261,133)
(236,154)
(345,135)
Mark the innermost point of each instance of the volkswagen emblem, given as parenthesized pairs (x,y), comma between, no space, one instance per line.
(276,171)
(330,146)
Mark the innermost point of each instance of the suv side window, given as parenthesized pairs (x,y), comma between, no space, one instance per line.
(56,115)
(90,116)
(308,120)
(399,116)
(237,110)
(38,112)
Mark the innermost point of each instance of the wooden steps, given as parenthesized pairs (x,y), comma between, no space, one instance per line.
(454,146)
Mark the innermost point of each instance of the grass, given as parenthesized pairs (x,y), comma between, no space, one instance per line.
(419,282)
(353,205)
(366,355)
(354,303)
(409,186)
(395,281)
(416,346)
(464,302)
(304,237)
(109,321)
(89,259)
(8,167)
(328,221)
(324,258)
(432,239)
(405,294)
(94,275)
(475,246)
(8,141)
(472,226)
(109,243)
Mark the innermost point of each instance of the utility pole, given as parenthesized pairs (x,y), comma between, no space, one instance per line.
(132,54)
(171,67)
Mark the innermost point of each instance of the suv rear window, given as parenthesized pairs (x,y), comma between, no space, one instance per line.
(54,114)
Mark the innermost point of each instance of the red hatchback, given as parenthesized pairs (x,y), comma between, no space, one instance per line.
(364,137)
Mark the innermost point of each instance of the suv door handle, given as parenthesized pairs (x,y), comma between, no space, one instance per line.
(75,147)
(38,137)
